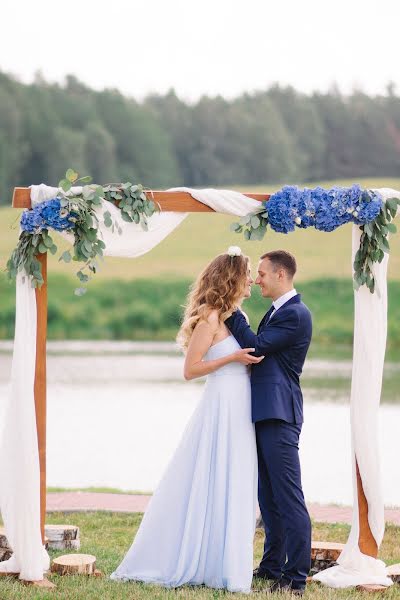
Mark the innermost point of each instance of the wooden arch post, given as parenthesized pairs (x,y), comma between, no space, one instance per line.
(172,202)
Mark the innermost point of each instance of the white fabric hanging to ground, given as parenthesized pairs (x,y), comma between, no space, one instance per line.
(19,462)
(370,329)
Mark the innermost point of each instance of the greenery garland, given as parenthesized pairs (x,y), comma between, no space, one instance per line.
(76,213)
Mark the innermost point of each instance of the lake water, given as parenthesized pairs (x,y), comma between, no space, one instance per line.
(116,412)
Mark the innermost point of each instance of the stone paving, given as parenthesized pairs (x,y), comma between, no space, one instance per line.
(88,501)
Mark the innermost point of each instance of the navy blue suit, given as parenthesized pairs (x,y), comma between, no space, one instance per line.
(277,410)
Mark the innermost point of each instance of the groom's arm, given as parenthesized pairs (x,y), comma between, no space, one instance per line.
(279,333)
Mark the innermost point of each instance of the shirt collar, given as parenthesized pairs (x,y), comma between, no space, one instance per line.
(283,299)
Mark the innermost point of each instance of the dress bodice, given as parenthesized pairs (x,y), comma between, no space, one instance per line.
(222,348)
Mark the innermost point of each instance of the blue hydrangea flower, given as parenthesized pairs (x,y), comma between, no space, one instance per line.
(46,215)
(325,210)
(368,208)
(283,209)
(330,213)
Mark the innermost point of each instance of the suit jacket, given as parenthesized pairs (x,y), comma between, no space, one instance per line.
(284,341)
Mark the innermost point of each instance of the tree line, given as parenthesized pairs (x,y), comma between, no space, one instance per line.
(272,136)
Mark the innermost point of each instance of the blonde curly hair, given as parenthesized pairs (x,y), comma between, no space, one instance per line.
(220,286)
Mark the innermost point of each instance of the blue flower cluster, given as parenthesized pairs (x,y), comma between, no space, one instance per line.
(46,215)
(325,210)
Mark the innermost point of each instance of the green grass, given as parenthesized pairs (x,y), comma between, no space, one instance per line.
(202,236)
(108,536)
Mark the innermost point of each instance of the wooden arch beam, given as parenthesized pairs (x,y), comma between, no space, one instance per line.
(168,201)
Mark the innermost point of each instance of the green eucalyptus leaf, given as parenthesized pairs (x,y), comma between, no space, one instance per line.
(80,291)
(71,175)
(65,256)
(86,179)
(65,185)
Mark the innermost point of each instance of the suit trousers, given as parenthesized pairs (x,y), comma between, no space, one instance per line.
(287,548)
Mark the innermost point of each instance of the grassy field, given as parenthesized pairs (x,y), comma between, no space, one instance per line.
(108,536)
(202,236)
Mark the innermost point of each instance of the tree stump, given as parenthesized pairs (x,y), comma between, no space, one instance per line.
(371,588)
(5,550)
(74,564)
(394,572)
(62,537)
(324,555)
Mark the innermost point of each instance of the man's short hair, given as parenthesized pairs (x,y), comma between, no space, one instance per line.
(281,259)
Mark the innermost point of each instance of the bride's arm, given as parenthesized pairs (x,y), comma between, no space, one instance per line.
(200,342)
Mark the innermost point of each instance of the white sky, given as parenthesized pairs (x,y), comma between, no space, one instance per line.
(205,47)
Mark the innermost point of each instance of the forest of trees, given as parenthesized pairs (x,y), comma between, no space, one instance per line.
(273,136)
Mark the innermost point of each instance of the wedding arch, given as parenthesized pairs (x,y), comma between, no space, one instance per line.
(23,440)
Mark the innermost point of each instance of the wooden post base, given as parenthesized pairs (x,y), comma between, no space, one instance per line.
(43,584)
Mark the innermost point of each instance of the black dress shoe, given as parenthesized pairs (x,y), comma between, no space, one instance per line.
(260,574)
(282,587)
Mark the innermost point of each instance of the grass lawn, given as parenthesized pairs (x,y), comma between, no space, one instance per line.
(108,536)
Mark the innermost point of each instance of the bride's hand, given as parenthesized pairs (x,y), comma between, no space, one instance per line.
(243,357)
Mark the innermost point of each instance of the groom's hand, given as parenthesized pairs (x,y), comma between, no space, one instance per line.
(243,357)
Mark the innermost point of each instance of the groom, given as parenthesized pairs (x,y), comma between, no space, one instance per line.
(283,336)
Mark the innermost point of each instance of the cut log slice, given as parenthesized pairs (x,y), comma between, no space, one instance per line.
(74,564)
(372,589)
(394,572)
(326,550)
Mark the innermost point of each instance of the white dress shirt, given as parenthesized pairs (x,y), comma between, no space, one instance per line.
(282,300)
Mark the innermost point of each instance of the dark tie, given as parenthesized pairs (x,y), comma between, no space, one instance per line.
(266,317)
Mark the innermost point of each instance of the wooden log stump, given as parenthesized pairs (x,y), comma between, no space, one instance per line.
(5,550)
(62,537)
(74,564)
(5,554)
(3,539)
(394,572)
(371,588)
(324,555)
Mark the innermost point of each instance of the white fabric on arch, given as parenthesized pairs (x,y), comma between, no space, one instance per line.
(370,330)
(19,459)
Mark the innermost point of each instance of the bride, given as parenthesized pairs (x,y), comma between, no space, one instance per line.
(199,525)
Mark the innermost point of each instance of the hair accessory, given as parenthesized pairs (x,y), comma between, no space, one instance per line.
(234,251)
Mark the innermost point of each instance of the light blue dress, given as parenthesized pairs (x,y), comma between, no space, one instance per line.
(199,525)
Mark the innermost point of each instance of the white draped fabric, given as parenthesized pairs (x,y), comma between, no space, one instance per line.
(370,328)
(19,461)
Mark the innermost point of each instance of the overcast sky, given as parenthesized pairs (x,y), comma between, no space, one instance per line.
(205,47)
